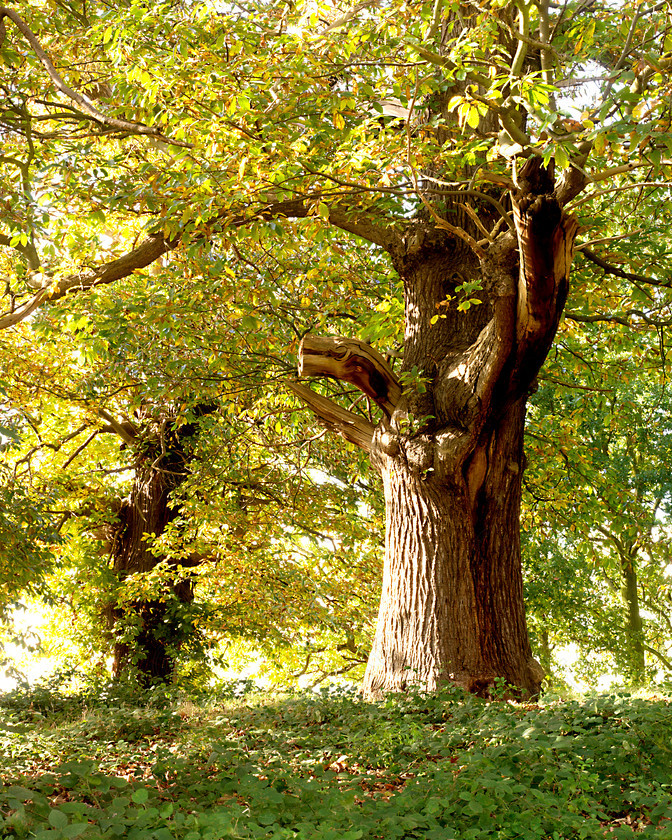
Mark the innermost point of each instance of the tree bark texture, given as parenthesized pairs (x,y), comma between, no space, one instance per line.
(452,607)
(152,626)
(450,445)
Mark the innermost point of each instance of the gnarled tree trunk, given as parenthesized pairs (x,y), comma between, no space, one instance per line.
(452,602)
(450,444)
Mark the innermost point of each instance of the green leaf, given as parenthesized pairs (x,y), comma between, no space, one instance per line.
(58,819)
(561,157)
(75,829)
(140,796)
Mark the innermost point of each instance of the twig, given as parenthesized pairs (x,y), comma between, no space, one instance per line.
(80,99)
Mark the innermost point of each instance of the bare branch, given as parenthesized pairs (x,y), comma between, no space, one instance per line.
(634,186)
(80,449)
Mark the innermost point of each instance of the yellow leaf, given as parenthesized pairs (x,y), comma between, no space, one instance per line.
(600,143)
(473,117)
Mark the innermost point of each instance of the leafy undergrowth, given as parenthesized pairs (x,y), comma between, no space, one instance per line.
(331,767)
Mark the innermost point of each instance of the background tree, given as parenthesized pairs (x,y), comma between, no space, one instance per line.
(428,130)
(179,478)
(599,450)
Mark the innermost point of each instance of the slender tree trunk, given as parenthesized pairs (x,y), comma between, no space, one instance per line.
(546,654)
(634,627)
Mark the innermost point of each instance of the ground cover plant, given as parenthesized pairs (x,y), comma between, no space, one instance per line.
(332,767)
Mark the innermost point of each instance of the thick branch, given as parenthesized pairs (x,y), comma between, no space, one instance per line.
(353,428)
(157,245)
(126,430)
(342,216)
(351,361)
(346,18)
(28,251)
(145,254)
(627,319)
(666,662)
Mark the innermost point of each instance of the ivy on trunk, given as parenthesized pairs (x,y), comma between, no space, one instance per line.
(151,629)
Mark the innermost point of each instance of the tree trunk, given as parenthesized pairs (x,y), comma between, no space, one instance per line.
(151,629)
(452,609)
(450,446)
(545,654)
(145,623)
(634,627)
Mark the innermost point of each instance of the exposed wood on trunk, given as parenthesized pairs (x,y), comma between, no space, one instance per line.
(351,426)
(351,361)
(546,242)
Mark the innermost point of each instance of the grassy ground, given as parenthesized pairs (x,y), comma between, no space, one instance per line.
(319,767)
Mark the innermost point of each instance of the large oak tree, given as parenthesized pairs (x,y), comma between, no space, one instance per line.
(456,138)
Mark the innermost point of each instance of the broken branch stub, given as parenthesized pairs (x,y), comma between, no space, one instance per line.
(351,361)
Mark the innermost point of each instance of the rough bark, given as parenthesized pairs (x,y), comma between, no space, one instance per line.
(452,602)
(450,448)
(151,628)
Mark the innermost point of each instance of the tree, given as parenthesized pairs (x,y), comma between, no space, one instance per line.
(433,132)
(178,478)
(599,447)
